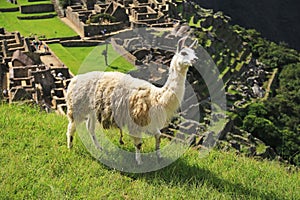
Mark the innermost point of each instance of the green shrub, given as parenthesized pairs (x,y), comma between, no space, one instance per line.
(96,18)
(263,129)
(65,3)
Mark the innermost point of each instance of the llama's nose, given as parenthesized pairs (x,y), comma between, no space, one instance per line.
(194,59)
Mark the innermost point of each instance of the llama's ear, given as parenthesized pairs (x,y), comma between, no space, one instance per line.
(180,44)
(194,44)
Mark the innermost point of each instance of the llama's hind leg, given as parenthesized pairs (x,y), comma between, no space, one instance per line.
(121,137)
(90,125)
(70,133)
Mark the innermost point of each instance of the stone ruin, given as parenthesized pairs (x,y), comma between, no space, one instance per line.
(112,16)
(24,77)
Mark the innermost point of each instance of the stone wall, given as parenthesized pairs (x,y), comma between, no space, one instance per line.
(38,8)
(95,29)
(75,17)
(123,52)
(9,9)
(80,43)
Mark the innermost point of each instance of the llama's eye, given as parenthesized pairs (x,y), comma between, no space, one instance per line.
(184,53)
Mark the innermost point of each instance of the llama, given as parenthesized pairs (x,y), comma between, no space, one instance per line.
(118,100)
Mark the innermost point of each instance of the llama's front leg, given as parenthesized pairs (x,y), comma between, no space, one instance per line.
(138,147)
(70,133)
(157,145)
(90,125)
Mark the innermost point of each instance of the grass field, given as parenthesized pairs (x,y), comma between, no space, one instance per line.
(5,4)
(26,2)
(50,28)
(35,164)
(85,59)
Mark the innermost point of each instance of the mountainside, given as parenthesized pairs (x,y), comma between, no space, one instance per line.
(277,20)
(262,84)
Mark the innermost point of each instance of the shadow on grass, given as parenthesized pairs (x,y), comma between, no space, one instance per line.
(181,173)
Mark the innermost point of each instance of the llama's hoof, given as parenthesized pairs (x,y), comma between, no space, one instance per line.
(121,142)
(99,148)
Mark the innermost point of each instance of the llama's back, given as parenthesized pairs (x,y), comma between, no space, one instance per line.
(94,91)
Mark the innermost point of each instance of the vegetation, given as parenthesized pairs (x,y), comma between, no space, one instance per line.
(36,164)
(39,27)
(65,3)
(26,2)
(97,17)
(5,4)
(84,59)
(276,120)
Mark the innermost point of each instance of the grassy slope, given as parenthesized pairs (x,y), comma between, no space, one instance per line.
(84,59)
(51,28)
(36,164)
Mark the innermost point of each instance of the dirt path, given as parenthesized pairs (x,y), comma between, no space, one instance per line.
(268,89)
(71,25)
(51,61)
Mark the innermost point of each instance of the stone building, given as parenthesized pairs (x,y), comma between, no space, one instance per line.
(111,16)
(23,76)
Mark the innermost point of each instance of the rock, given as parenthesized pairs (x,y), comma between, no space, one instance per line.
(191,140)
(251,151)
(21,94)
(258,91)
(235,145)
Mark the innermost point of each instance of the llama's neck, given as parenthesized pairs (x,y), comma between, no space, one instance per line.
(173,90)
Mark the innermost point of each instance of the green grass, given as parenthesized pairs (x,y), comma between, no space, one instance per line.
(35,164)
(85,59)
(5,4)
(26,2)
(51,28)
(36,14)
(191,22)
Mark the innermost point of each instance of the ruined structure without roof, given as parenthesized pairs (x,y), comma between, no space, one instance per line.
(23,76)
(111,16)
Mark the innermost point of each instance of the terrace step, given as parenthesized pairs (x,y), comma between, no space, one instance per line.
(7,37)
(11,41)
(14,45)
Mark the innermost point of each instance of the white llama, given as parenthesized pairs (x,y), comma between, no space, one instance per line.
(119,100)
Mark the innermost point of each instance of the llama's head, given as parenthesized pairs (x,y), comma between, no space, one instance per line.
(185,55)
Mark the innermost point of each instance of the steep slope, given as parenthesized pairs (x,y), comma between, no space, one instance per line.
(277,20)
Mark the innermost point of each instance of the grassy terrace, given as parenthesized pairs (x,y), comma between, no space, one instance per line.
(5,4)
(35,164)
(26,2)
(50,28)
(84,59)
